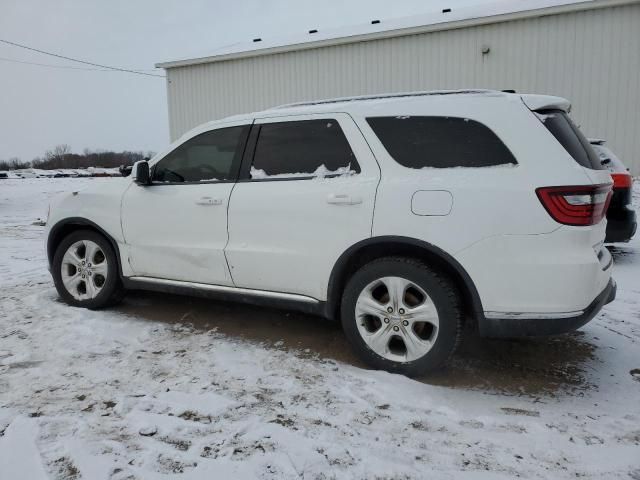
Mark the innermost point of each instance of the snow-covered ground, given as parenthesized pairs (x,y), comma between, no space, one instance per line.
(69,172)
(191,391)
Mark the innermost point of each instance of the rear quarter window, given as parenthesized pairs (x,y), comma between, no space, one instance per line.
(440,142)
(570,137)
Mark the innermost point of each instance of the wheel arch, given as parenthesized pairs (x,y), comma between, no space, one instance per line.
(64,227)
(364,251)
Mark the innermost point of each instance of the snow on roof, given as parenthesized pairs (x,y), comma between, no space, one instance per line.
(378,29)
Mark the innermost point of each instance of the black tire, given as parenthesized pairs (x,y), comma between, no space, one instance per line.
(442,293)
(112,291)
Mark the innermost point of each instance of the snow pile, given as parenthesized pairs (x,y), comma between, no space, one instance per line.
(321,172)
(64,172)
(115,395)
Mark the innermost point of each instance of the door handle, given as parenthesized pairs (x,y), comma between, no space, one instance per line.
(343,199)
(209,201)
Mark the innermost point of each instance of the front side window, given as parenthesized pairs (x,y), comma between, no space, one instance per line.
(209,157)
(302,149)
(440,142)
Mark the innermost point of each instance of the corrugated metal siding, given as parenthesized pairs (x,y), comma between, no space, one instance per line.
(590,57)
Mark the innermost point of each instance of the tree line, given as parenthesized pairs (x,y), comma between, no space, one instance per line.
(62,157)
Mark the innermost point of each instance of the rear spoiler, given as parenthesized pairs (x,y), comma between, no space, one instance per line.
(546,102)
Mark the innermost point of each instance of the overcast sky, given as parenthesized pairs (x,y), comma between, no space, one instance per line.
(42,107)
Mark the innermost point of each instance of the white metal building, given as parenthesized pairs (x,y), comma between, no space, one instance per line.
(585,50)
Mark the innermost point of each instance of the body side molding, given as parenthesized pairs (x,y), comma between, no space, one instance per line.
(267,298)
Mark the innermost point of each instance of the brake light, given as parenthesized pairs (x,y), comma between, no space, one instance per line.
(576,205)
(622,180)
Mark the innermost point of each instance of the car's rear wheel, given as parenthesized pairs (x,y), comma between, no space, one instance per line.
(85,270)
(401,316)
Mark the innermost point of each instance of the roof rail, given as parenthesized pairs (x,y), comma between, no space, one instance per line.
(359,98)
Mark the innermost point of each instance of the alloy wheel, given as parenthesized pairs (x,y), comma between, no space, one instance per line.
(84,270)
(397,319)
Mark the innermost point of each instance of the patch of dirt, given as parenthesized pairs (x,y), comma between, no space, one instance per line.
(64,469)
(178,444)
(171,465)
(531,367)
(345,459)
(520,411)
(195,417)
(237,448)
(284,421)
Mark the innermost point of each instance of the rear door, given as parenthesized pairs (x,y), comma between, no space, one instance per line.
(306,193)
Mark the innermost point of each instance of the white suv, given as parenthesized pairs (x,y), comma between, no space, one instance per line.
(403,215)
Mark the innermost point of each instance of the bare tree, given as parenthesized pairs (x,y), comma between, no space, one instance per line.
(13,163)
(56,157)
(61,157)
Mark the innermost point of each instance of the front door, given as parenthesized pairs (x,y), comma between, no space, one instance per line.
(176,228)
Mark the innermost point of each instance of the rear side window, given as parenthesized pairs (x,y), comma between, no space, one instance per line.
(302,149)
(570,137)
(440,142)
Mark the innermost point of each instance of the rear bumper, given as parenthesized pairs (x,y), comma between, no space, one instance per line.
(531,327)
(621,224)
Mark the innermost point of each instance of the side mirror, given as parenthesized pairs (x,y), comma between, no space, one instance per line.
(141,175)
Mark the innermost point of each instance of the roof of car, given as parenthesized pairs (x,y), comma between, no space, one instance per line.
(364,103)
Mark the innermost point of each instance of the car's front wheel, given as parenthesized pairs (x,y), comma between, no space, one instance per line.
(401,316)
(85,270)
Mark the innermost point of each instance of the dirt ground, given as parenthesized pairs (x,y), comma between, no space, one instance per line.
(508,366)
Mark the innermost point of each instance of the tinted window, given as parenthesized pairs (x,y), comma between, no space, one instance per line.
(440,142)
(570,137)
(211,156)
(305,148)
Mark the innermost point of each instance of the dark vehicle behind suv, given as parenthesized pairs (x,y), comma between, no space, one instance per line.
(621,217)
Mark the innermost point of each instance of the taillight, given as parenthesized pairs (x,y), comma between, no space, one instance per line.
(576,205)
(622,180)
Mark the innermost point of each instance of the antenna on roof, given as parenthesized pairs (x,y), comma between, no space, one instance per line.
(446,10)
